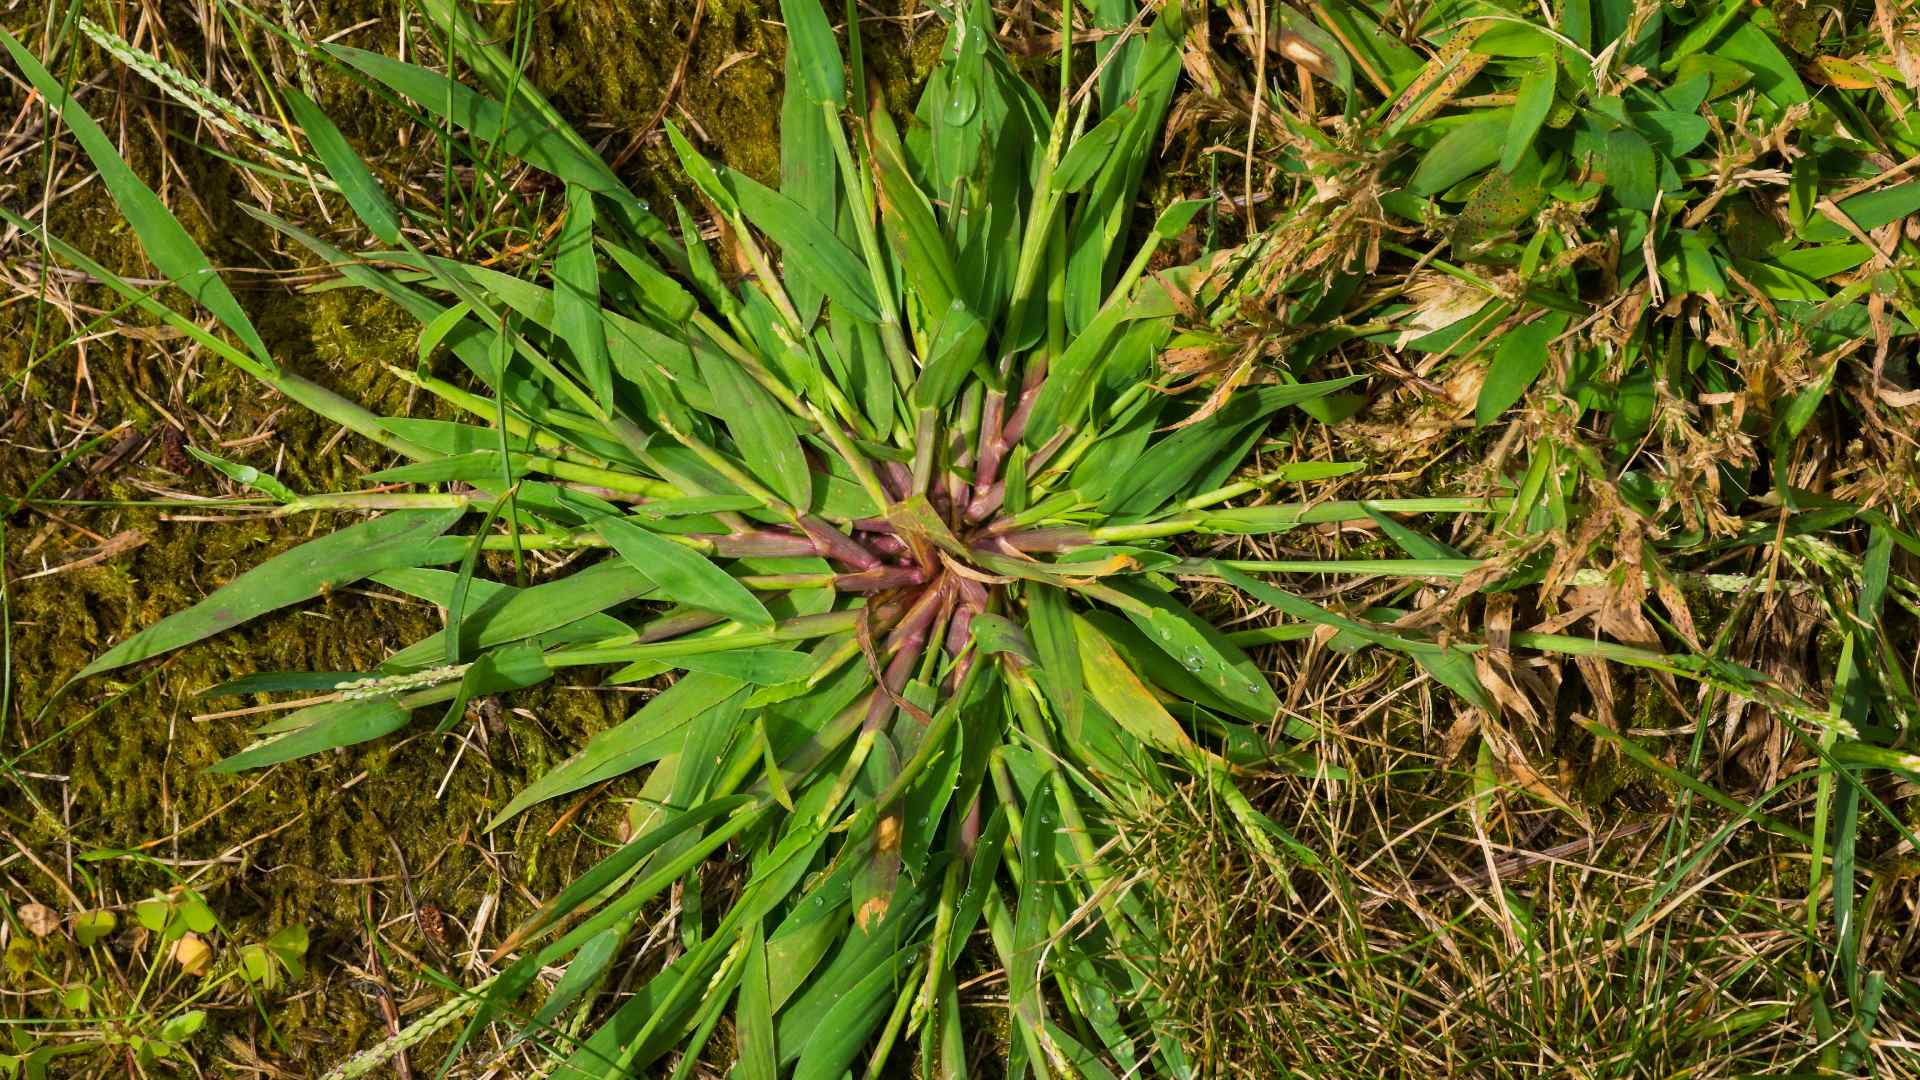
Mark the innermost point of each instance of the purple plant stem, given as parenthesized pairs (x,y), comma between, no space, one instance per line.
(986,501)
(895,677)
(1058,538)
(1023,409)
(991,449)
(759,542)
(989,488)
(881,579)
(921,615)
(896,478)
(973,600)
(1047,450)
(836,545)
(970,830)
(886,546)
(671,626)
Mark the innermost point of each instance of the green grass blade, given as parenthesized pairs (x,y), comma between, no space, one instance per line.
(1117,689)
(576,297)
(810,248)
(683,574)
(363,193)
(765,439)
(162,237)
(810,39)
(322,727)
(1519,360)
(404,538)
(519,614)
(1534,100)
(656,730)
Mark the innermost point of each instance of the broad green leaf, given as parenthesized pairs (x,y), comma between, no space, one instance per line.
(162,237)
(1819,263)
(810,248)
(1672,134)
(403,538)
(1750,47)
(1116,688)
(683,574)
(1534,101)
(323,727)
(363,193)
(1632,172)
(1461,152)
(1869,211)
(91,926)
(1519,360)
(810,41)
(576,297)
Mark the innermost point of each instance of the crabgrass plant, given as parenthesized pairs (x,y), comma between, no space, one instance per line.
(889,477)
(891,466)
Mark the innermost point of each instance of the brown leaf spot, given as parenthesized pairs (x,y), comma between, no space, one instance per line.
(871,912)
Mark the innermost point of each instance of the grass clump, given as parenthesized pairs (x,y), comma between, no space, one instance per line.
(892,464)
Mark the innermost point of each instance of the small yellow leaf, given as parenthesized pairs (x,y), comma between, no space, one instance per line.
(193,954)
(1120,692)
(1842,73)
